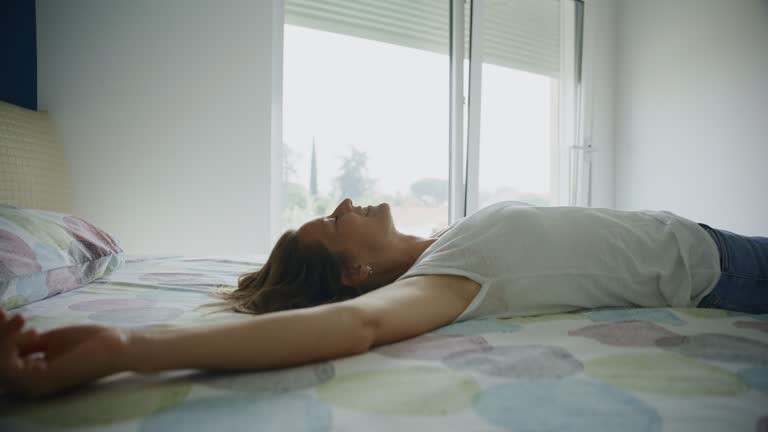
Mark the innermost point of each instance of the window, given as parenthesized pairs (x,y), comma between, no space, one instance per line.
(517,136)
(366,107)
(365,111)
(514,109)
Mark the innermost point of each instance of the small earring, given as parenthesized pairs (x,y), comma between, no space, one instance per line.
(370,270)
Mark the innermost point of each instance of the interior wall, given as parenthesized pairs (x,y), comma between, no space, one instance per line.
(692,110)
(165,110)
(598,81)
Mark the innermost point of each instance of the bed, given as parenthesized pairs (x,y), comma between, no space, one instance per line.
(602,370)
(612,369)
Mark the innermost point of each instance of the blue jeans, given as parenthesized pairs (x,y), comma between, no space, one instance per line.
(743,285)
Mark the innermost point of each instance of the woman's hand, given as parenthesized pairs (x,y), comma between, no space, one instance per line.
(34,364)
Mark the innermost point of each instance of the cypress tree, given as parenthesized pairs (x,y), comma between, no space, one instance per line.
(313,172)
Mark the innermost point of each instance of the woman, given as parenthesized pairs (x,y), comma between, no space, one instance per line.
(344,283)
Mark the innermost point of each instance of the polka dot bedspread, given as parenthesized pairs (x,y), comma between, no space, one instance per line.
(603,370)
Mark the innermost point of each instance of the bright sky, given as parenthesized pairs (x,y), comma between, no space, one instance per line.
(392,102)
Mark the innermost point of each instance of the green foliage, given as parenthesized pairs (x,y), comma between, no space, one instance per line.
(323,205)
(289,167)
(293,218)
(313,171)
(430,190)
(299,206)
(295,195)
(353,181)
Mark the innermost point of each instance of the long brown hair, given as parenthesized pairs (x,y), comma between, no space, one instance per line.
(296,275)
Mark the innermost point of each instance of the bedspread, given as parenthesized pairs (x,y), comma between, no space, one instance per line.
(602,370)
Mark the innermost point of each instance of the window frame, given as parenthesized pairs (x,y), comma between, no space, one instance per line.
(564,173)
(463,172)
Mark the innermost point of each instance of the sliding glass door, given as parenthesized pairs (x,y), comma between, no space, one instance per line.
(365,105)
(368,112)
(514,111)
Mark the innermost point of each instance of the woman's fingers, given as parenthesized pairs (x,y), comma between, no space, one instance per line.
(58,341)
(9,358)
(10,328)
(87,362)
(68,357)
(29,342)
(92,358)
(8,321)
(25,376)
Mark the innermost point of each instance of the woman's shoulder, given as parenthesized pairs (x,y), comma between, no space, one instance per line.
(463,286)
(411,307)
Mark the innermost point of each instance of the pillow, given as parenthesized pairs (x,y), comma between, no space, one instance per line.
(43,253)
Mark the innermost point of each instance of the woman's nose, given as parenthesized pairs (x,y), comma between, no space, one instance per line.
(346,205)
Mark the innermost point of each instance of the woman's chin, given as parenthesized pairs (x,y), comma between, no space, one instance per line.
(385,209)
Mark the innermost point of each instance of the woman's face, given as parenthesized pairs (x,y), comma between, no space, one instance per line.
(357,232)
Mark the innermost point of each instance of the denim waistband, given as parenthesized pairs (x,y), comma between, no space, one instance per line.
(718,241)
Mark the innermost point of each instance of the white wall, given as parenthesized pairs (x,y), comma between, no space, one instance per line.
(165,109)
(598,80)
(692,110)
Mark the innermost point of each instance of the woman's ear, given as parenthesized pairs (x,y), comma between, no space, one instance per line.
(355,275)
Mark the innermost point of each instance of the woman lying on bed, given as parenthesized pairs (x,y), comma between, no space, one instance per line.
(347,282)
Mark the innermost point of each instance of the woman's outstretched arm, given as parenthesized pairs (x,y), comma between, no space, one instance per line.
(40,364)
(36,365)
(278,339)
(281,339)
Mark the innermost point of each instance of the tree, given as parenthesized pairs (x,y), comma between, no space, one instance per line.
(313,171)
(430,190)
(294,194)
(353,181)
(289,168)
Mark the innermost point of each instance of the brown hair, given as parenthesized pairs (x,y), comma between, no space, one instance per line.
(296,275)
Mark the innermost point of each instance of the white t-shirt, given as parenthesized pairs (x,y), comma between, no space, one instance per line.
(543,260)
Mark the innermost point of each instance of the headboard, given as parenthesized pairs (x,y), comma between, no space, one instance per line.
(33,170)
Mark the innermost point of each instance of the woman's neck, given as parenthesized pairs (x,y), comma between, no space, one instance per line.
(400,258)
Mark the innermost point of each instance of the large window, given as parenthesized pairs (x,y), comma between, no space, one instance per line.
(517,136)
(366,107)
(365,112)
(514,89)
